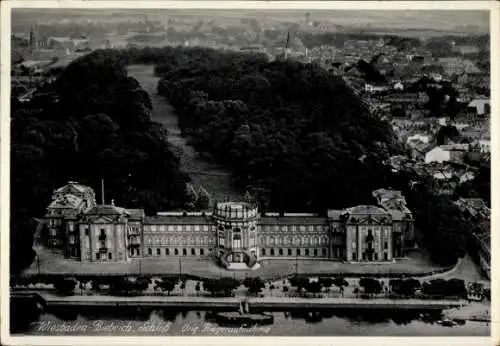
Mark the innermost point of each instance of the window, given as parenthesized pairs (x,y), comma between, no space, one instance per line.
(385,245)
(315,252)
(150,251)
(289,252)
(262,252)
(324,252)
(153,228)
(188,228)
(158,252)
(179,228)
(193,252)
(98,256)
(202,252)
(71,239)
(298,252)
(385,256)
(86,231)
(280,252)
(167,251)
(307,252)
(272,252)
(184,252)
(354,256)
(176,252)
(110,256)
(376,256)
(197,228)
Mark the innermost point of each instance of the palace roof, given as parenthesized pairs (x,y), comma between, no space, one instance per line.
(73,186)
(177,220)
(67,201)
(107,210)
(366,210)
(293,220)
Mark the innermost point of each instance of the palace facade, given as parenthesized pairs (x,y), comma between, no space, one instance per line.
(234,233)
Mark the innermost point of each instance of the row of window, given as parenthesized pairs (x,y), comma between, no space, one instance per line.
(369,256)
(178,252)
(370,244)
(290,252)
(305,240)
(178,228)
(179,241)
(206,228)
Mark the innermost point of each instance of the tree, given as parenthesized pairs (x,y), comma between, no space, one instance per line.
(65,286)
(166,285)
(226,286)
(314,287)
(370,286)
(203,200)
(444,288)
(300,282)
(254,285)
(406,287)
(340,282)
(326,282)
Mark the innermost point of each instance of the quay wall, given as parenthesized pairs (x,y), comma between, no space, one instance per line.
(263,303)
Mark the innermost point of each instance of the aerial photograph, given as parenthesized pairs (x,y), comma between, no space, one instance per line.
(246,172)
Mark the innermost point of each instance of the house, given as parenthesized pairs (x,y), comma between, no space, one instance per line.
(444,153)
(474,208)
(398,86)
(371,88)
(420,151)
(484,145)
(424,138)
(471,134)
(481,106)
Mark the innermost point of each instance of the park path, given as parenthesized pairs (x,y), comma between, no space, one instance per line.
(203,171)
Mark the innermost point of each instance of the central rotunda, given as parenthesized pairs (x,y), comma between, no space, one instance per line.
(237,246)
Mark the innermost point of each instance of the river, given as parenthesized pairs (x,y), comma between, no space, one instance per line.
(203,172)
(105,321)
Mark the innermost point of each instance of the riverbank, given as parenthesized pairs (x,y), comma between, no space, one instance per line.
(478,312)
(272,303)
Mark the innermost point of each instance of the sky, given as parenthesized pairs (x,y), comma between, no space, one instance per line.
(415,19)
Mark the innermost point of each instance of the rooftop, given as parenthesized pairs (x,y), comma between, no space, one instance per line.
(107,210)
(72,185)
(177,220)
(67,201)
(366,209)
(292,220)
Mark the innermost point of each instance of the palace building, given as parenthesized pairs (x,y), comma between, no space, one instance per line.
(234,233)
